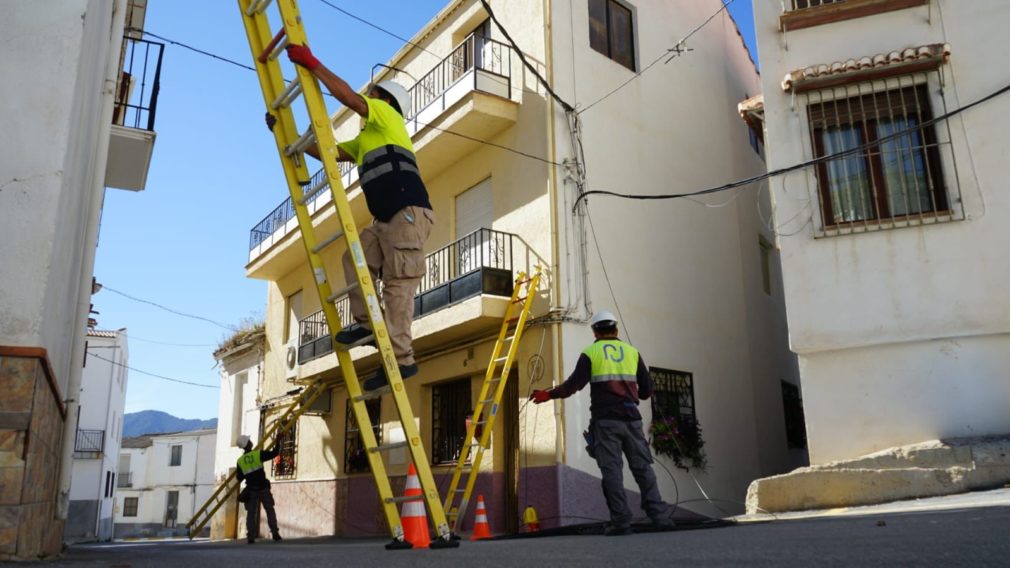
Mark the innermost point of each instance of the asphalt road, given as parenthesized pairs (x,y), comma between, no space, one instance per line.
(966,537)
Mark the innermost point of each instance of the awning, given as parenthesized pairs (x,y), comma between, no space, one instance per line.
(868,68)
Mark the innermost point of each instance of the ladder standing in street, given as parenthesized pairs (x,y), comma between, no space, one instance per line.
(394,243)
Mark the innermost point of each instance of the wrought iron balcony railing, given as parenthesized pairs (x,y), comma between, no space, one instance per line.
(90,441)
(479,263)
(139,83)
(801,4)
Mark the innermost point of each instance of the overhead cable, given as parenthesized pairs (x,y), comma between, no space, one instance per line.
(378,27)
(191,48)
(522,57)
(170,310)
(676,49)
(162,377)
(827,158)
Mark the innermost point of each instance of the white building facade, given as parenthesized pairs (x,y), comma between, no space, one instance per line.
(80,126)
(99,433)
(894,257)
(171,475)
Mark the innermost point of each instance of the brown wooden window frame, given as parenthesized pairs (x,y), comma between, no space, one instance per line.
(451,401)
(914,98)
(355,456)
(611,32)
(800,17)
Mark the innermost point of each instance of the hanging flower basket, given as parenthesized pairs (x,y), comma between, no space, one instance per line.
(679,438)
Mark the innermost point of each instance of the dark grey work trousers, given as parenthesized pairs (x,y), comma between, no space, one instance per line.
(257,496)
(612,439)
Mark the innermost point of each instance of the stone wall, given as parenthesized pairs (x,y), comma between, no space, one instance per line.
(31,431)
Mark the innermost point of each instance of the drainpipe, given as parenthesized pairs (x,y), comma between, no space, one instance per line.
(98,12)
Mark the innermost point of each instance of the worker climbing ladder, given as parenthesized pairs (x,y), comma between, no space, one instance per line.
(489,400)
(291,144)
(277,428)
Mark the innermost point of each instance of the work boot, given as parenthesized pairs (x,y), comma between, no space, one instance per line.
(618,530)
(251,540)
(379,380)
(277,536)
(662,523)
(353,334)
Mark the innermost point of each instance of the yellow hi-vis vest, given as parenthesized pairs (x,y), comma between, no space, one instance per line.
(250,462)
(612,360)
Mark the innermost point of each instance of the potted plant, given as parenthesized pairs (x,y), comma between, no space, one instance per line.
(679,438)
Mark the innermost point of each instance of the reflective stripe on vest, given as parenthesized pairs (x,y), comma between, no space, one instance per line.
(612,360)
(250,462)
(384,160)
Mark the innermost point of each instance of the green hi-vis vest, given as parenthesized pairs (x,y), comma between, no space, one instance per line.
(612,360)
(250,462)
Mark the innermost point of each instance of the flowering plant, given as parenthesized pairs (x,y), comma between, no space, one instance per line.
(679,438)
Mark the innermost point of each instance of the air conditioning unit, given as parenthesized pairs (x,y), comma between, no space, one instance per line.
(291,360)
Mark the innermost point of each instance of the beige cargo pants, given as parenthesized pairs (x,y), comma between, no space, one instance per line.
(394,251)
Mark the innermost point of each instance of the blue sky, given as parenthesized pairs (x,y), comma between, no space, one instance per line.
(183,243)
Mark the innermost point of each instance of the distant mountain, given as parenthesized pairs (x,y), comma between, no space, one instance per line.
(157,422)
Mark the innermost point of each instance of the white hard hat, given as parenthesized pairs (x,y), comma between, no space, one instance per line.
(399,93)
(242,441)
(603,318)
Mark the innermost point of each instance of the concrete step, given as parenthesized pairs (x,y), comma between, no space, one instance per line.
(926,469)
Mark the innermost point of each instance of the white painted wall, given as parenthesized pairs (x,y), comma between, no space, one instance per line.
(903,333)
(238,409)
(686,276)
(103,399)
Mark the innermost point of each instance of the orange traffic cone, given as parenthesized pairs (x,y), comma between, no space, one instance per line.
(412,515)
(481,529)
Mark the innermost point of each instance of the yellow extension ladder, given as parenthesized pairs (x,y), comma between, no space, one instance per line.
(229,486)
(291,144)
(489,400)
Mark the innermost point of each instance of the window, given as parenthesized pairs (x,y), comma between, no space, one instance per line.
(766,264)
(108,484)
(611,31)
(130,506)
(474,211)
(450,404)
(284,464)
(673,395)
(176,458)
(292,315)
(355,458)
(897,177)
(792,406)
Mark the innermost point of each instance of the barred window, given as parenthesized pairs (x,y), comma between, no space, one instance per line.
(673,395)
(285,464)
(355,455)
(450,405)
(130,506)
(792,406)
(894,174)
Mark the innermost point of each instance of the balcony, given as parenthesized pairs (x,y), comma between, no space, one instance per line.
(799,14)
(89,443)
(465,98)
(124,480)
(131,143)
(480,263)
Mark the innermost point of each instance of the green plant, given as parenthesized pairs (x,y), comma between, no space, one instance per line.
(679,438)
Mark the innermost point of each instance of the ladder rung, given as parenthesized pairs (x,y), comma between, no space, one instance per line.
(485,401)
(494,380)
(517,300)
(333,297)
(257,7)
(500,359)
(404,499)
(314,191)
(510,338)
(512,320)
(327,241)
(372,394)
(482,422)
(303,142)
(289,94)
(388,447)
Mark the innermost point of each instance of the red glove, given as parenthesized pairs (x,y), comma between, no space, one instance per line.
(539,396)
(302,55)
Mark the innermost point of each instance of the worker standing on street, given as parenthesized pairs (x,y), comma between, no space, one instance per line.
(394,243)
(257,488)
(618,378)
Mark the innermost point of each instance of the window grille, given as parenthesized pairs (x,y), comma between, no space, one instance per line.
(285,464)
(673,393)
(801,4)
(893,175)
(450,405)
(355,456)
(130,506)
